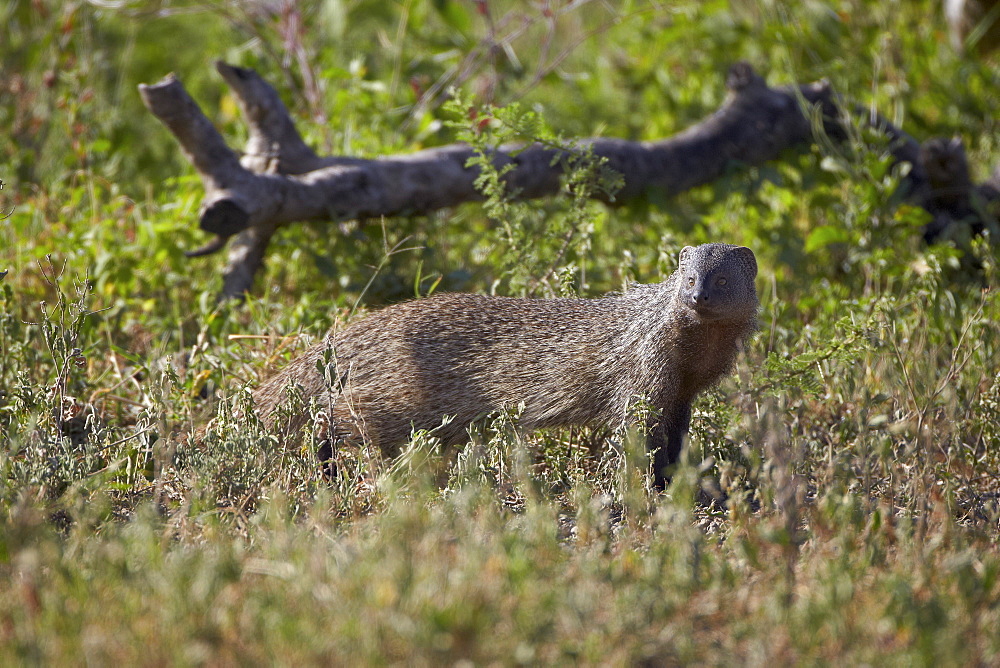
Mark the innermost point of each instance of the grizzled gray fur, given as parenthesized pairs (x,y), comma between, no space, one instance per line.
(571,361)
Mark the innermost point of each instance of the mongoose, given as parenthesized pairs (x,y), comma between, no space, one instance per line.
(570,361)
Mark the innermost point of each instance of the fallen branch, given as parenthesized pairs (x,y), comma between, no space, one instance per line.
(280,180)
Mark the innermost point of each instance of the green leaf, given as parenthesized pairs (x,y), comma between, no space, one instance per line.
(824,236)
(455,15)
(100,146)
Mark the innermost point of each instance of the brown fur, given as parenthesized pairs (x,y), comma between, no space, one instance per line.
(570,361)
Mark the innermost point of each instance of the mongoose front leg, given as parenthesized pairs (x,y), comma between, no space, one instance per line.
(666,437)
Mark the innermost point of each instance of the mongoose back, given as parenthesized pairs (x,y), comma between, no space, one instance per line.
(570,361)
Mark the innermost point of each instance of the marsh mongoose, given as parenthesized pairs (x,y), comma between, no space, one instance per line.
(570,361)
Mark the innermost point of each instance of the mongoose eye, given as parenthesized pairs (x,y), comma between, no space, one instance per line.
(721,281)
(691,282)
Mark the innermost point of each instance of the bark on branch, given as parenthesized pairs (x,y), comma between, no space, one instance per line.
(280,180)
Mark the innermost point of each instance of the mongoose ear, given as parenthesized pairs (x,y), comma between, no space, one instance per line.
(749,258)
(687,250)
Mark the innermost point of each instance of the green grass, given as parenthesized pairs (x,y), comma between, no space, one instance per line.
(857,440)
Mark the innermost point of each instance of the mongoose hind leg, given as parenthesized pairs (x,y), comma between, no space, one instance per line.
(324,455)
(331,439)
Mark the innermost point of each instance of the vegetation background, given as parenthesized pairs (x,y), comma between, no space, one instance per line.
(857,441)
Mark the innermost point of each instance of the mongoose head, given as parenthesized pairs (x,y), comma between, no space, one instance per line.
(717,282)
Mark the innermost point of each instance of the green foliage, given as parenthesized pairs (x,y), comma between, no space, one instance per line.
(538,240)
(147,517)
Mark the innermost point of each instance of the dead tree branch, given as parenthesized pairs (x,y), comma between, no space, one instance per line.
(280,180)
